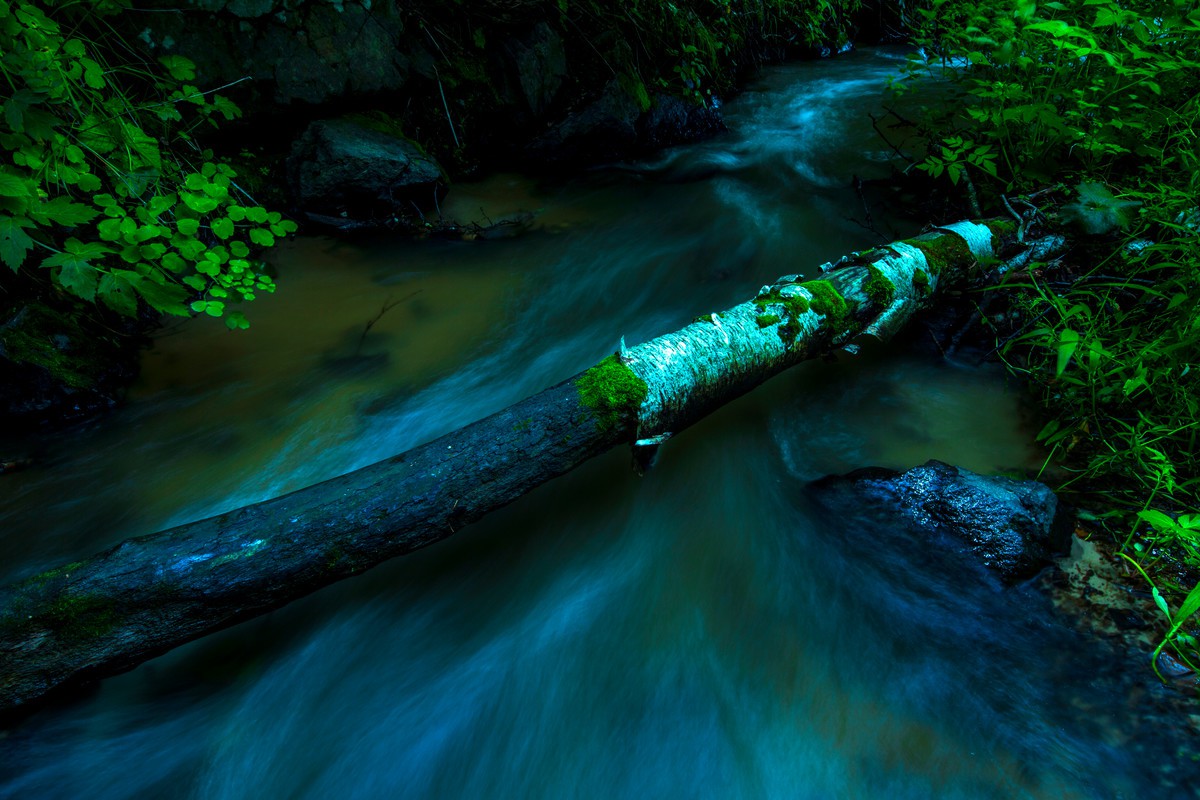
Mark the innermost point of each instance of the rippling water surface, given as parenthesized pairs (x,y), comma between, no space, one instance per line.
(708,630)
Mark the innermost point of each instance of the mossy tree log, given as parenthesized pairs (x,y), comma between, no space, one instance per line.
(114,610)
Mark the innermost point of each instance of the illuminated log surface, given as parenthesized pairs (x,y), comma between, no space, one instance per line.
(110,612)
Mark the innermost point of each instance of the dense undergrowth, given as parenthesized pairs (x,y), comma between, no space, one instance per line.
(1084,114)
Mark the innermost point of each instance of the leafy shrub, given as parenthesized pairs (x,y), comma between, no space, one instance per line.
(1104,96)
(103,185)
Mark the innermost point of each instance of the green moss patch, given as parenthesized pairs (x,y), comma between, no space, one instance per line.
(83,616)
(920,280)
(1001,229)
(946,250)
(46,338)
(612,392)
(793,306)
(829,303)
(879,287)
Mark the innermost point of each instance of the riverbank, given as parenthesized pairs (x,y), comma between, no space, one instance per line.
(1106,334)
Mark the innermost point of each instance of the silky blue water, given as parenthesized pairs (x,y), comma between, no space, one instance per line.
(708,630)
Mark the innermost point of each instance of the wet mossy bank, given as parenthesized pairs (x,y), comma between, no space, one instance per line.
(62,362)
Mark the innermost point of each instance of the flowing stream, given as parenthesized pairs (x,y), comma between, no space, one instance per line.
(704,631)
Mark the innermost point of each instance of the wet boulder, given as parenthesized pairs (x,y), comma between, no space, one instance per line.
(673,120)
(1012,527)
(350,172)
(604,129)
(620,123)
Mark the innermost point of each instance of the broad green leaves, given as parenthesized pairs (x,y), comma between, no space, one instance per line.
(96,173)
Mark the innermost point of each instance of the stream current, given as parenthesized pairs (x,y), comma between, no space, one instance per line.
(704,631)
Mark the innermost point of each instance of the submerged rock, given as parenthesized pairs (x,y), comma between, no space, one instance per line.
(1014,528)
(345,169)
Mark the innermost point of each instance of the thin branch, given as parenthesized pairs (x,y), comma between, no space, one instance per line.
(388,305)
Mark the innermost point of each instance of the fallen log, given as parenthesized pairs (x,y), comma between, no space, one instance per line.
(114,610)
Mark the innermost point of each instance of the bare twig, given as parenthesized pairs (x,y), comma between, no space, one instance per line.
(887,141)
(388,305)
(1021,222)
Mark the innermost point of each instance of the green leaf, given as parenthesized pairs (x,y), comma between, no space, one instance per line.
(178,67)
(168,298)
(160,204)
(15,185)
(62,211)
(1068,341)
(226,107)
(261,237)
(88,182)
(1191,604)
(110,229)
(153,251)
(93,73)
(75,274)
(1159,521)
(174,262)
(222,228)
(188,227)
(1160,602)
(14,243)
(16,106)
(116,291)
(144,145)
(200,203)
(1048,430)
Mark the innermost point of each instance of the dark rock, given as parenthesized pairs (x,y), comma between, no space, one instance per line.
(311,53)
(343,169)
(672,120)
(604,129)
(614,126)
(1012,527)
(541,64)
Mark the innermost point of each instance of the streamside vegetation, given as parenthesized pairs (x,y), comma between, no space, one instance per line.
(106,192)
(1083,114)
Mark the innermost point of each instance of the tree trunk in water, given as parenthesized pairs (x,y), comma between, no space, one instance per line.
(114,610)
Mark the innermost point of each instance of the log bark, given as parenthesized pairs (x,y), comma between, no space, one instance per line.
(112,611)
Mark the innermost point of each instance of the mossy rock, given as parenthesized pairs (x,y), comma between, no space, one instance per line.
(61,365)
